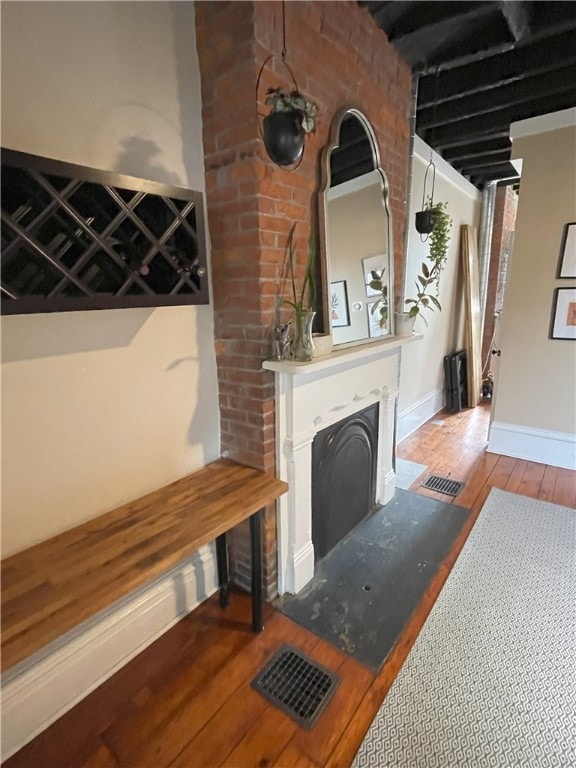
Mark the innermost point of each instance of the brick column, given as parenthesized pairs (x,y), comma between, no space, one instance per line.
(339,58)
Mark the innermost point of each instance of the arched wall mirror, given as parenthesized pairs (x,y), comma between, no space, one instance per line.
(355,230)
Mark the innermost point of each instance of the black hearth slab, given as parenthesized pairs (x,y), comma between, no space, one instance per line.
(365,590)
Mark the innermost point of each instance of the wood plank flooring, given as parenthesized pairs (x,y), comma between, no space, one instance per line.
(186,700)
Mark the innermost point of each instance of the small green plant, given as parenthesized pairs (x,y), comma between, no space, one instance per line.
(308,284)
(429,279)
(380,306)
(293,101)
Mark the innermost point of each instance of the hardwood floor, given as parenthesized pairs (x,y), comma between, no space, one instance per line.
(186,700)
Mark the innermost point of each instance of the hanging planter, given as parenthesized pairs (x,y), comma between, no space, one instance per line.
(425,221)
(283,137)
(283,130)
(290,119)
(425,217)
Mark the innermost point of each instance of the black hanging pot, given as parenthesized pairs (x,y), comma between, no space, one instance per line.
(425,222)
(284,137)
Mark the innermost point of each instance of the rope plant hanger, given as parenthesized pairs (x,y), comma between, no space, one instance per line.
(291,117)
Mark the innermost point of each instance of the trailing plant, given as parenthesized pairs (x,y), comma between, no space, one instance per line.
(293,101)
(428,282)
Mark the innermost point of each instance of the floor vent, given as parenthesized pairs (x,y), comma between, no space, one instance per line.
(443,485)
(298,686)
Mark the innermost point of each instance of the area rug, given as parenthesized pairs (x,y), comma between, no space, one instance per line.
(407,472)
(365,590)
(491,679)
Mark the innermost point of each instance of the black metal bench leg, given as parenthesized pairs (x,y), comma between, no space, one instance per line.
(256,541)
(223,575)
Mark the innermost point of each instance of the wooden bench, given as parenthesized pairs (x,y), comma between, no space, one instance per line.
(52,587)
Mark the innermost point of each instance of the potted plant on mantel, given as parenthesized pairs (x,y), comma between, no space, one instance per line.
(428,280)
(302,345)
(290,118)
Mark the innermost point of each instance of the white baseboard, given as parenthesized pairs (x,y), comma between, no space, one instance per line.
(418,413)
(541,445)
(43,687)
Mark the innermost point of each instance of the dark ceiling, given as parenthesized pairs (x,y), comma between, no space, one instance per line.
(480,66)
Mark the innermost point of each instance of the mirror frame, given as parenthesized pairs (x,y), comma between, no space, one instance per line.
(333,143)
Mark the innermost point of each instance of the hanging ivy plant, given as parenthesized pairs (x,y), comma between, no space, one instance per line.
(429,279)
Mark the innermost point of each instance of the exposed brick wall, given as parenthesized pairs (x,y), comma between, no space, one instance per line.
(339,58)
(505,207)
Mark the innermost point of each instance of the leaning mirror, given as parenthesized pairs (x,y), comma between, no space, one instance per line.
(356,231)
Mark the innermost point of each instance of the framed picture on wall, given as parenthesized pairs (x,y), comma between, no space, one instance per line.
(564,314)
(567,261)
(339,313)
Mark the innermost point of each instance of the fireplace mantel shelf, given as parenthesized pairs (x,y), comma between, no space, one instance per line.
(340,356)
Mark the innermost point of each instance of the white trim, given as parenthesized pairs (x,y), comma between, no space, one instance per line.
(422,150)
(42,688)
(553,121)
(541,445)
(418,413)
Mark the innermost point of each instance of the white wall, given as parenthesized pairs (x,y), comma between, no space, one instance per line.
(534,407)
(101,407)
(422,372)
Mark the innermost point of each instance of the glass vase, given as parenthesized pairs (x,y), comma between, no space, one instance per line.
(302,343)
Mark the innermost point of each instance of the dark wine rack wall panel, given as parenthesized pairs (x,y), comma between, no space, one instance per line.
(75,238)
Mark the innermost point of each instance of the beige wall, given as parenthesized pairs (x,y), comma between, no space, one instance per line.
(101,407)
(536,383)
(422,372)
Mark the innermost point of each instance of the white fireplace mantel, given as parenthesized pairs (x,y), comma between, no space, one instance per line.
(310,397)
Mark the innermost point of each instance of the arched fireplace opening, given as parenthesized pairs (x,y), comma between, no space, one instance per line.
(344,469)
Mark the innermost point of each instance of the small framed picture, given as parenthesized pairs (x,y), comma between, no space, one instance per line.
(339,313)
(564,314)
(567,261)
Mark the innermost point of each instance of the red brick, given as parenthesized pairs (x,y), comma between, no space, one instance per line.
(252,202)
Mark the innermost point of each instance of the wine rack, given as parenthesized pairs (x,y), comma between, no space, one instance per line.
(76,238)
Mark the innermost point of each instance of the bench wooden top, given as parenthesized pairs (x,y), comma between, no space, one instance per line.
(55,585)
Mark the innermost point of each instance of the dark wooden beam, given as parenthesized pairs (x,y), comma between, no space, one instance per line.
(513,66)
(469,151)
(422,45)
(500,169)
(494,124)
(466,167)
(517,15)
(563,25)
(551,83)
(510,173)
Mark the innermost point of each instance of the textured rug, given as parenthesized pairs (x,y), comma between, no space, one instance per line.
(407,472)
(365,590)
(491,679)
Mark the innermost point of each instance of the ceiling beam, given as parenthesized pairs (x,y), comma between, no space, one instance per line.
(468,151)
(510,67)
(496,50)
(517,16)
(420,45)
(480,179)
(496,99)
(495,124)
(482,161)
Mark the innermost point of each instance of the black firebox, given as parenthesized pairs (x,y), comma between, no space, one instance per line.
(344,465)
